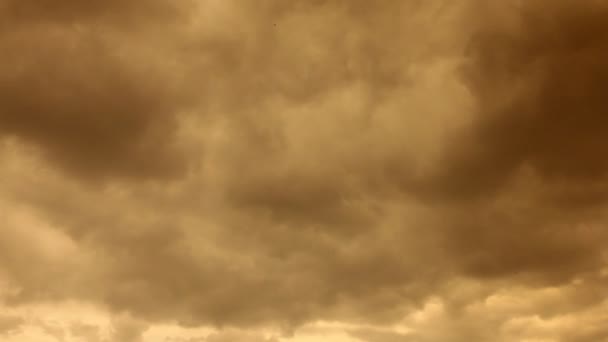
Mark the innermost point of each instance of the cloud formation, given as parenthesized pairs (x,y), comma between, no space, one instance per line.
(406,170)
(75,92)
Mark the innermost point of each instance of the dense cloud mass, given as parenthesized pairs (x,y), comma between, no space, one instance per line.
(243,170)
(72,89)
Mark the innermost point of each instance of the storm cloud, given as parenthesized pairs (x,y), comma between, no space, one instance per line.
(303,171)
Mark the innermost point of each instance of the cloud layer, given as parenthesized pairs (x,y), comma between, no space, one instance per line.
(407,171)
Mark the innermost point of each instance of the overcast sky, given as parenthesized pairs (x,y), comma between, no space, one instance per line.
(303,171)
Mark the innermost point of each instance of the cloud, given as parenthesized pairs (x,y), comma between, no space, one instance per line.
(237,337)
(10,324)
(256,165)
(536,72)
(315,227)
(127,329)
(88,332)
(32,11)
(370,335)
(80,96)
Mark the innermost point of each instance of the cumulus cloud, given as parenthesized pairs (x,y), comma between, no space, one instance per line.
(407,169)
(78,94)
(536,73)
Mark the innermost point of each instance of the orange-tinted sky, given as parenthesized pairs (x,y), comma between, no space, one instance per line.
(303,171)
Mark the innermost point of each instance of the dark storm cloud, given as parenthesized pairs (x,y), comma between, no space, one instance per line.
(352,170)
(292,229)
(538,72)
(77,95)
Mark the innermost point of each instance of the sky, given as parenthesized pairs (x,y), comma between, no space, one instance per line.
(303,171)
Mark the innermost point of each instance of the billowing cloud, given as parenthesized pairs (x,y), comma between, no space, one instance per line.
(536,73)
(293,171)
(78,94)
